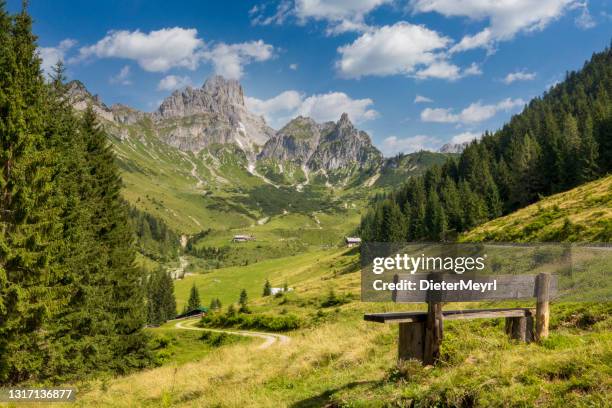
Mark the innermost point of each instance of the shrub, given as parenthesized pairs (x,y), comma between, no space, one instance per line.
(258,322)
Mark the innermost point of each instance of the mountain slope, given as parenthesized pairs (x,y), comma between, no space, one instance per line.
(583,214)
(194,162)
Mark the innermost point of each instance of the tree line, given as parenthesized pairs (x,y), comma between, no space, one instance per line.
(154,238)
(559,141)
(71,300)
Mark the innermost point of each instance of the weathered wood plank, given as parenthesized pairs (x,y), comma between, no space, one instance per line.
(395,317)
(411,336)
(409,317)
(507,287)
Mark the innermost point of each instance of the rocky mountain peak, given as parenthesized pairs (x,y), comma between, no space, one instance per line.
(344,121)
(217,96)
(453,147)
(224,90)
(322,147)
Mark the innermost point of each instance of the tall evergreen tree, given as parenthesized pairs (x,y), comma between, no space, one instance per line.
(123,286)
(267,289)
(30,206)
(194,299)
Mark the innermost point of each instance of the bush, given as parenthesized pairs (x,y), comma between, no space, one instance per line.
(258,322)
(217,339)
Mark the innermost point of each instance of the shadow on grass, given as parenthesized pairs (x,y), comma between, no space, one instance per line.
(322,400)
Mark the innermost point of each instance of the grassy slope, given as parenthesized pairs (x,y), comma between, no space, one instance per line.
(583,214)
(338,358)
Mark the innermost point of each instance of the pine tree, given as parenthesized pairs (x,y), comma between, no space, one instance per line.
(30,207)
(267,289)
(243,301)
(122,290)
(194,299)
(588,155)
(393,225)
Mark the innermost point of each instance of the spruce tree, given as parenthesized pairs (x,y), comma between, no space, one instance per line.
(122,288)
(30,207)
(243,301)
(267,289)
(194,299)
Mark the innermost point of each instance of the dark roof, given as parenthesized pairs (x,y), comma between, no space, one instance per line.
(193,312)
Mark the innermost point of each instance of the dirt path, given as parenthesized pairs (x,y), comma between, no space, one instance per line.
(269,338)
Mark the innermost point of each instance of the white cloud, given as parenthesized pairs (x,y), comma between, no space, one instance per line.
(293,67)
(473,69)
(440,70)
(172,82)
(519,76)
(161,50)
(506,18)
(51,55)
(394,145)
(156,51)
(474,113)
(283,10)
(585,20)
(340,15)
(465,137)
(276,110)
(389,50)
(229,59)
(321,107)
(330,106)
(422,99)
(123,77)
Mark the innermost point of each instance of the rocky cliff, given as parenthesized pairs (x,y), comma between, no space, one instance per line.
(329,146)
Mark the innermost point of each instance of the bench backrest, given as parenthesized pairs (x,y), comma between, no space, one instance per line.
(507,287)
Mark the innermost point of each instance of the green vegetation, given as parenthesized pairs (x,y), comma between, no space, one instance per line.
(337,359)
(194,299)
(558,142)
(71,300)
(253,322)
(155,239)
(178,347)
(583,214)
(161,304)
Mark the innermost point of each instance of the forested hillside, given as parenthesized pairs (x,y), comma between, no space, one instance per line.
(559,141)
(71,300)
(155,239)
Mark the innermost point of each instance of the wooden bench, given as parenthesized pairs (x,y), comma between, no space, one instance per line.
(421,333)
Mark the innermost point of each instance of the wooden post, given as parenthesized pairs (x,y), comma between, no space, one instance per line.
(529,335)
(542,305)
(434,326)
(411,341)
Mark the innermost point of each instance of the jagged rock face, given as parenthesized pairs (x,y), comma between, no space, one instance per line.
(344,146)
(329,146)
(453,147)
(194,118)
(296,142)
(80,98)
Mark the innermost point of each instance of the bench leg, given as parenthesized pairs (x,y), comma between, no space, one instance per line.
(411,336)
(434,329)
(520,328)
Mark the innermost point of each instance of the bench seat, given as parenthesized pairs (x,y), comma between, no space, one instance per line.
(414,317)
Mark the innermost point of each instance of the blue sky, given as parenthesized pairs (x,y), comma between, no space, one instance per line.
(413,73)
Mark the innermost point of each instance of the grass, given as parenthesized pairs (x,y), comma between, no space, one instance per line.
(336,359)
(226,283)
(177,347)
(583,214)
